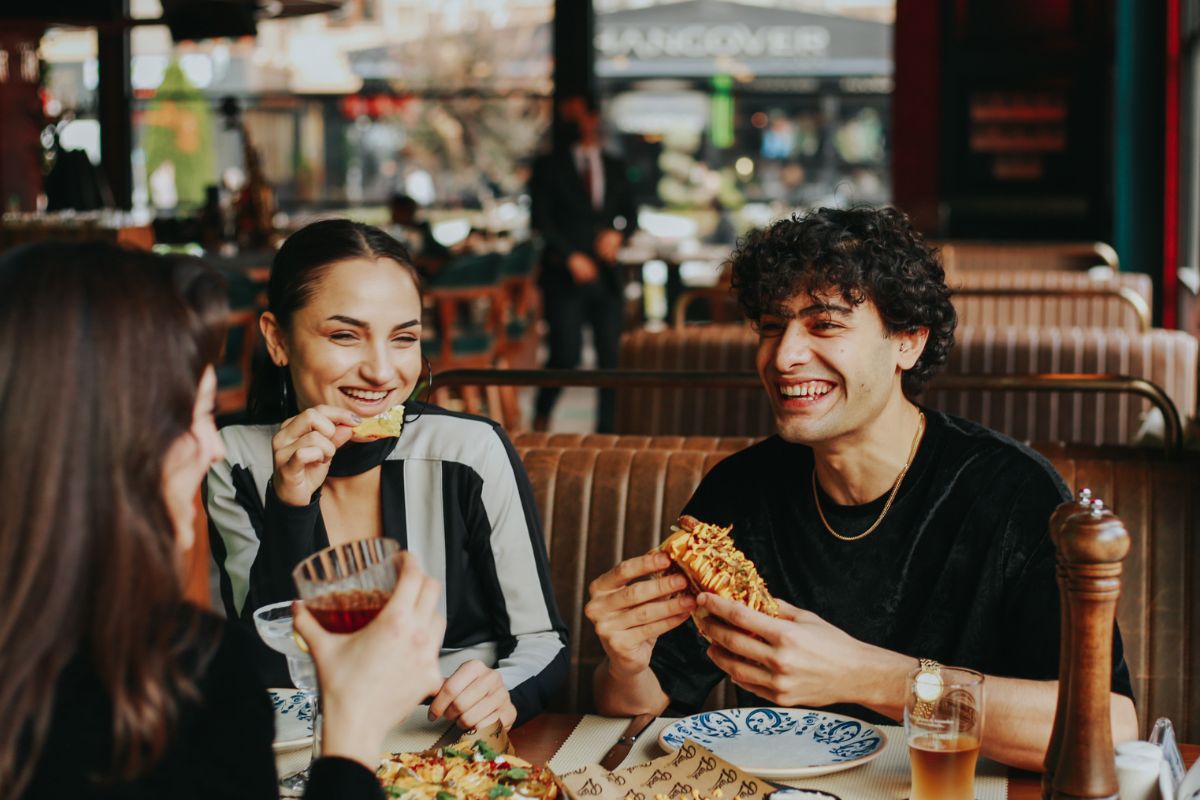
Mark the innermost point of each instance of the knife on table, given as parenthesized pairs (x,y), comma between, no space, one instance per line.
(616,754)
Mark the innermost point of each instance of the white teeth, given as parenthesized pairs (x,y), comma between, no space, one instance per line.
(808,389)
(368,396)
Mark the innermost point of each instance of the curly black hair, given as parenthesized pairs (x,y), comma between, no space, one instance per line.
(865,253)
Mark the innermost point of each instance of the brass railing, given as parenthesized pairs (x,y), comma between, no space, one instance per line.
(1091,383)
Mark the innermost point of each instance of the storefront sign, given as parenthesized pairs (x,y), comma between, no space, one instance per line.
(715,41)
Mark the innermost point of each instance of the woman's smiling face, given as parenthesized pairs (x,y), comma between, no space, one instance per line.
(356,343)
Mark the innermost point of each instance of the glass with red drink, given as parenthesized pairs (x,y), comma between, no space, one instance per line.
(346,586)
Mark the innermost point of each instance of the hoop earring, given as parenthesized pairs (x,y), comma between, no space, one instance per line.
(424,399)
(429,383)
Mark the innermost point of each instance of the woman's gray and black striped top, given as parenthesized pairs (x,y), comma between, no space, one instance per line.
(455,494)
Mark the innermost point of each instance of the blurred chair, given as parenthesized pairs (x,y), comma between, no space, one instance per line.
(466,302)
(522,303)
(235,369)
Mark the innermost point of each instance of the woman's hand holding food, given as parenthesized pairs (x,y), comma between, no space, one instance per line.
(304,447)
(630,614)
(474,696)
(374,678)
(795,659)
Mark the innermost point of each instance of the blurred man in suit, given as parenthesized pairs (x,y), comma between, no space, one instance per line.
(583,208)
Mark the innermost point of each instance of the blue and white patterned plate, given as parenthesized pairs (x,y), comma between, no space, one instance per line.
(293,719)
(779,742)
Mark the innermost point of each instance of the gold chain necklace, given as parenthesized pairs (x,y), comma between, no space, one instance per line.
(891,497)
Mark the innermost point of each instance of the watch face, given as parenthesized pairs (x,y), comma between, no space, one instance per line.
(928,686)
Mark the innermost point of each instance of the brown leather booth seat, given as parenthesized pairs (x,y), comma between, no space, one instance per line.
(692,412)
(602,504)
(1056,298)
(962,254)
(1008,297)
(1165,358)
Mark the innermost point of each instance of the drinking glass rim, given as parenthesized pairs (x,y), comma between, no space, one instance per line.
(272,607)
(974,677)
(386,542)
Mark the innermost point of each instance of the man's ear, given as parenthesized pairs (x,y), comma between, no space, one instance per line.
(273,336)
(910,345)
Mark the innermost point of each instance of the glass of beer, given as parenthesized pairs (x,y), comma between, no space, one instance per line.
(943,721)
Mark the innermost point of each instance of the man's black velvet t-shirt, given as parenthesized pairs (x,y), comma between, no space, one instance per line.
(961,569)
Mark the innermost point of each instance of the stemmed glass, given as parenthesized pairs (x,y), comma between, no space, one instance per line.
(344,587)
(274,625)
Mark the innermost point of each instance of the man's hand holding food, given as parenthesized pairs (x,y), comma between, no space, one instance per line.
(797,658)
(632,605)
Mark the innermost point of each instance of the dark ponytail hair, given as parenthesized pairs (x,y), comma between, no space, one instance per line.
(295,274)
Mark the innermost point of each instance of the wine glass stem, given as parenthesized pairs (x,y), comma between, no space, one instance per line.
(318,719)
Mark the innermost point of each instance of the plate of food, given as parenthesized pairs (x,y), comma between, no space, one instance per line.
(293,719)
(469,769)
(779,742)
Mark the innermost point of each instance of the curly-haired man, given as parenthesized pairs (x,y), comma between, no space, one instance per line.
(899,538)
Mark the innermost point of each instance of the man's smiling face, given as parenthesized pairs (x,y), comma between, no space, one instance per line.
(829,366)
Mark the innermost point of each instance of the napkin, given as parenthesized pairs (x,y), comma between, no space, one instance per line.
(691,770)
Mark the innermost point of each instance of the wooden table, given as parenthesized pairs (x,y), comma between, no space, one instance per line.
(539,739)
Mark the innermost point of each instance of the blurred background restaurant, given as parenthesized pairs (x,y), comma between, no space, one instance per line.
(1050,148)
(217,126)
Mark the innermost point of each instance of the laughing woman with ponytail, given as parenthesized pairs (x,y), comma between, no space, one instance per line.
(343,333)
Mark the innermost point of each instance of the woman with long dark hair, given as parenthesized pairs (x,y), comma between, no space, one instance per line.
(343,331)
(110,684)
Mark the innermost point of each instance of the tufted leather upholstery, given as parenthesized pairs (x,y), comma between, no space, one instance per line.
(1062,310)
(608,502)
(1167,358)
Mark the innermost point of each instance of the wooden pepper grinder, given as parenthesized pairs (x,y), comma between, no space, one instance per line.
(1081,504)
(1091,547)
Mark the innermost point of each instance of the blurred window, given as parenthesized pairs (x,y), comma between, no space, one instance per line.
(722,108)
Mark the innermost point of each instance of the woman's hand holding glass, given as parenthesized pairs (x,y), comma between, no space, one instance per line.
(474,696)
(374,678)
(304,447)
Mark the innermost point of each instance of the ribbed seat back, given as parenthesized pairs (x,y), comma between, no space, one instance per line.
(1059,310)
(965,254)
(693,412)
(600,506)
(1166,358)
